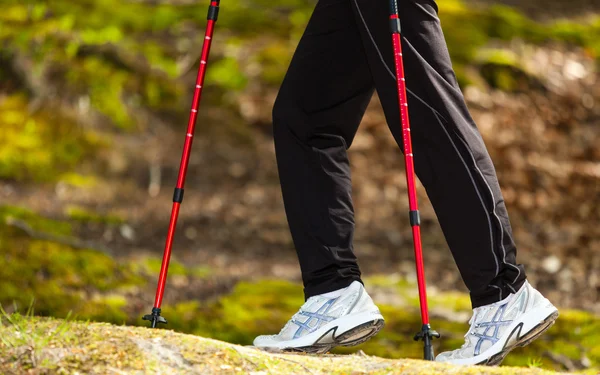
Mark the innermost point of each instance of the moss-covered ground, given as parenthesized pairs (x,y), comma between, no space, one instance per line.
(44,346)
(263,307)
(61,280)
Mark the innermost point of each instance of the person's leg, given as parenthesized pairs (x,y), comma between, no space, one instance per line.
(452,162)
(451,159)
(317,112)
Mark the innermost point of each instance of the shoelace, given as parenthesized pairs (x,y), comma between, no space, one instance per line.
(473,325)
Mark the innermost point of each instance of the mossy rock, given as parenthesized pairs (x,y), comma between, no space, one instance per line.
(263,308)
(56,346)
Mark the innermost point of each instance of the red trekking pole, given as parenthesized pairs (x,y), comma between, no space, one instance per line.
(213,13)
(426,334)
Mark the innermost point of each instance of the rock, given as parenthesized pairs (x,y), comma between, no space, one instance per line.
(127,232)
(551,264)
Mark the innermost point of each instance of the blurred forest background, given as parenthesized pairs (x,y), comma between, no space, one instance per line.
(94,99)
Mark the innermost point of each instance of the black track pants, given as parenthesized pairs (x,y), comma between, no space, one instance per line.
(344,55)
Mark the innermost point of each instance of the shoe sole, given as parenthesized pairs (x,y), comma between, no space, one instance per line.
(533,334)
(352,337)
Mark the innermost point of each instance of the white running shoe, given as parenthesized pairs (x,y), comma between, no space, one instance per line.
(324,322)
(498,328)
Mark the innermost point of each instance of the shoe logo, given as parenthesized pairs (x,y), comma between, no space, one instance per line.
(493,325)
(318,315)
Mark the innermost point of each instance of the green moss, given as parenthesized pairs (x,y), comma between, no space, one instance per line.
(103,348)
(78,180)
(38,146)
(201,272)
(95,287)
(502,70)
(251,309)
(33,220)
(127,57)
(59,278)
(87,216)
(110,308)
(470,29)
(153,265)
(263,308)
(455,301)
(227,73)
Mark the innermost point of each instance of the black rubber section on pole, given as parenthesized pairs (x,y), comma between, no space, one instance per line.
(395,25)
(178,195)
(213,13)
(394,22)
(415,218)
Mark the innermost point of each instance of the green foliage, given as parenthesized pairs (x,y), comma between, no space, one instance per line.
(122,63)
(26,336)
(534,363)
(83,215)
(38,146)
(124,56)
(18,333)
(151,266)
(78,180)
(469,29)
(501,69)
(127,56)
(34,221)
(61,279)
(227,74)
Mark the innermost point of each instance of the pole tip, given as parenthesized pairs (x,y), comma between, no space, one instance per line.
(155,317)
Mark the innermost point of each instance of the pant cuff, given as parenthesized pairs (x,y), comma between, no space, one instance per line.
(492,295)
(330,286)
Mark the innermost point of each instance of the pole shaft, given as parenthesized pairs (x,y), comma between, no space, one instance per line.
(195,105)
(187,148)
(409,159)
(162,278)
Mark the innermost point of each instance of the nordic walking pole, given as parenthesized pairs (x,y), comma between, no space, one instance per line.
(213,13)
(426,334)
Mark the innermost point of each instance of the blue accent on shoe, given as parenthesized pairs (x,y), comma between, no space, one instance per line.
(319,315)
(495,324)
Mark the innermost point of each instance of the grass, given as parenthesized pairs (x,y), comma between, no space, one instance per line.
(44,345)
